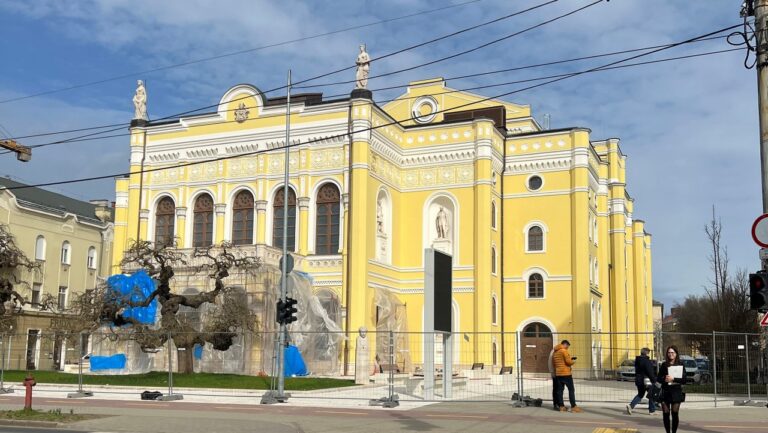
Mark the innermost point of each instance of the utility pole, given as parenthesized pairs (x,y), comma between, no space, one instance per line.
(23,153)
(761,26)
(286,265)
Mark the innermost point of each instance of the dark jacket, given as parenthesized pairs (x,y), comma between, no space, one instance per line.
(643,369)
(672,392)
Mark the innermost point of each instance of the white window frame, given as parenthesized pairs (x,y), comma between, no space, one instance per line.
(40,247)
(544,231)
(66,253)
(92,262)
(494,310)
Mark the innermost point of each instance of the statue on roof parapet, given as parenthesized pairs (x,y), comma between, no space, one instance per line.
(140,103)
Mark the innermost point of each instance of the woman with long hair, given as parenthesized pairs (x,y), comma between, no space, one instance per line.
(672,387)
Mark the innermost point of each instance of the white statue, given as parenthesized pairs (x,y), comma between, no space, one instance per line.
(140,102)
(441,223)
(363,67)
(362,355)
(379,218)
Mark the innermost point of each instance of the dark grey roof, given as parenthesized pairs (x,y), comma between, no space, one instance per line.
(51,202)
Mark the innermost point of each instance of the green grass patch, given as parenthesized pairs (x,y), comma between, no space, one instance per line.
(157,379)
(54,415)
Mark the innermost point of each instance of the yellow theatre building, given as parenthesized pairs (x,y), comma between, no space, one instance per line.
(539,222)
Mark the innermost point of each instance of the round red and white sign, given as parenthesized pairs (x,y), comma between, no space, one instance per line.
(760,231)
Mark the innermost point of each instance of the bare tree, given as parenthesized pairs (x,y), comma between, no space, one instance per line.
(12,262)
(229,313)
(718,262)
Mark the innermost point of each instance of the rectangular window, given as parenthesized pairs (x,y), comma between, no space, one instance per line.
(36,289)
(62,297)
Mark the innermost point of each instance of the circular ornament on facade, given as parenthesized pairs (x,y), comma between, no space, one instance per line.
(535,182)
(424,109)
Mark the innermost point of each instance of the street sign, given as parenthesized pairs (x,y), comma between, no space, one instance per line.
(289,262)
(760,231)
(764,322)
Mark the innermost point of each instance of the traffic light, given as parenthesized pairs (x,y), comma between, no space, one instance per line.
(280,311)
(285,311)
(758,291)
(290,310)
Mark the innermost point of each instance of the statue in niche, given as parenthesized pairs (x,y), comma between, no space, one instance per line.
(140,102)
(441,223)
(363,68)
(379,218)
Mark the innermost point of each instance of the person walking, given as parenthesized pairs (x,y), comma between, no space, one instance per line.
(551,367)
(562,361)
(643,372)
(672,377)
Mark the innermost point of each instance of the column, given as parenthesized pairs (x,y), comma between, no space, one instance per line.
(303,240)
(221,219)
(261,221)
(181,225)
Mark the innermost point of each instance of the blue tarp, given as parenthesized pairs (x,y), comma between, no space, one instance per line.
(108,362)
(294,363)
(198,351)
(138,286)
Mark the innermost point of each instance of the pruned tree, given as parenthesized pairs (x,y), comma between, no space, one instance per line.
(13,261)
(228,314)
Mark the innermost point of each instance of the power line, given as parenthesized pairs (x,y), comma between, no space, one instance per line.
(400,51)
(497,71)
(236,53)
(486,86)
(381,57)
(289,145)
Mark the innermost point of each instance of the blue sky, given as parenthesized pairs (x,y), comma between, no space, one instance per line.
(689,127)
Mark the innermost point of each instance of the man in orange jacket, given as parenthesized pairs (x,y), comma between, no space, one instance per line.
(562,361)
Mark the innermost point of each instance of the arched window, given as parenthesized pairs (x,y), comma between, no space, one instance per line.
(40,248)
(535,286)
(277,219)
(202,234)
(537,330)
(535,239)
(165,221)
(327,222)
(493,214)
(92,258)
(493,260)
(66,253)
(242,218)
(493,350)
(494,310)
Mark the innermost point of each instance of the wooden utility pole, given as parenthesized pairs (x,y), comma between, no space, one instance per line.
(23,153)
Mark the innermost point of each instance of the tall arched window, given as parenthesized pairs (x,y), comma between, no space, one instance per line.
(535,286)
(165,221)
(493,260)
(92,258)
(494,351)
(277,219)
(202,235)
(494,310)
(493,214)
(535,239)
(66,253)
(242,218)
(327,222)
(40,248)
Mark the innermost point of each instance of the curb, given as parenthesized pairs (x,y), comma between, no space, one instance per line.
(28,423)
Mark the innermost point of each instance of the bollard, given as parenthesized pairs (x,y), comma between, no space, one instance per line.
(29,382)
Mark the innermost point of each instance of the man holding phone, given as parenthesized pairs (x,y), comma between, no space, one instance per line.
(562,361)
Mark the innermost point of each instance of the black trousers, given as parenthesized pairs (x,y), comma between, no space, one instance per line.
(565,381)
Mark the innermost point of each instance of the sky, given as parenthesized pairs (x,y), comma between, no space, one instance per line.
(689,128)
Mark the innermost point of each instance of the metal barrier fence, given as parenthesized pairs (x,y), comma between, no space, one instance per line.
(488,366)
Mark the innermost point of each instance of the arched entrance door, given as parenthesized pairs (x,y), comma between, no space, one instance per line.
(536,344)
